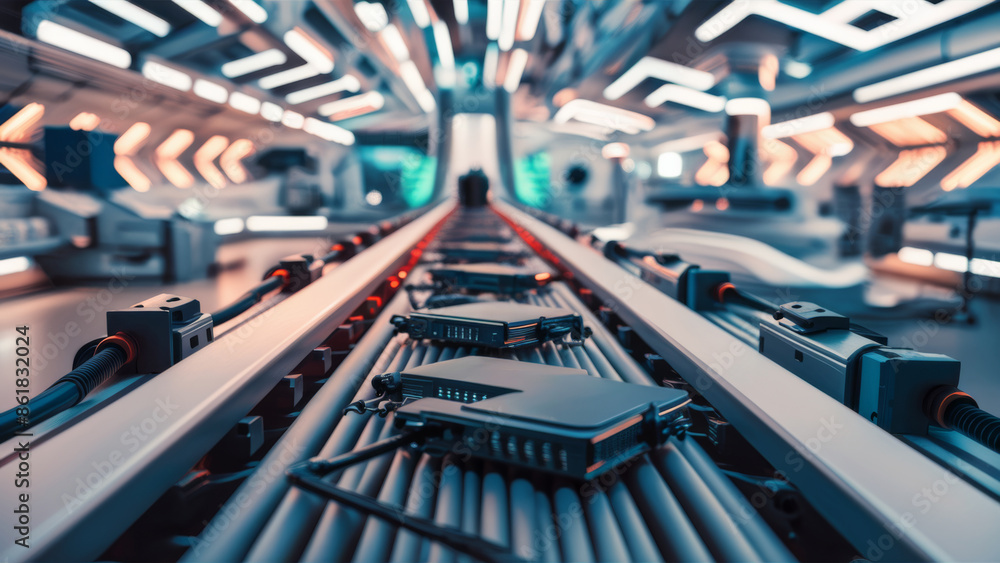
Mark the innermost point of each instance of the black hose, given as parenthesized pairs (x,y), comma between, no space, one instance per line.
(975,423)
(64,393)
(247,300)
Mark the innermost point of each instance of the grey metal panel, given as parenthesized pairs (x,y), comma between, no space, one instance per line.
(186,410)
(863,480)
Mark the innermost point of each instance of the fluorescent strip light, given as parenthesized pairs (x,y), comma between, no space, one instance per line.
(348,83)
(394,42)
(490,63)
(669,165)
(231,226)
(211,91)
(651,67)
(723,21)
(306,47)
(930,76)
(415,83)
(442,38)
(494,16)
(748,106)
(292,119)
(797,69)
(370,101)
(261,223)
(418,9)
(462,12)
(84,121)
(953,262)
(916,256)
(607,116)
(515,67)
(202,11)
(529,21)
(251,10)
(136,15)
(253,63)
(807,124)
(687,144)
(914,108)
(271,111)
(14,265)
(372,15)
(508,24)
(687,96)
(132,139)
(287,77)
(166,75)
(328,131)
(82,44)
(244,102)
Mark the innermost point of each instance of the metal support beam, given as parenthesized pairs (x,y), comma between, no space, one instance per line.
(888,500)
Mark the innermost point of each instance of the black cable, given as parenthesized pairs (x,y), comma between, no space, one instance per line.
(64,393)
(975,423)
(309,476)
(247,300)
(755,302)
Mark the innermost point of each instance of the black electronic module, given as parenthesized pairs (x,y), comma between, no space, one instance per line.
(491,278)
(492,324)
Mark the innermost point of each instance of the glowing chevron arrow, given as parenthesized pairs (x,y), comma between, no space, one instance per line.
(204,159)
(167,154)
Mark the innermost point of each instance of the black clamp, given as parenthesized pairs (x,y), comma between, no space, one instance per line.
(806,318)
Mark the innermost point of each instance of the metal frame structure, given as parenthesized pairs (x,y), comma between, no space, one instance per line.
(887,499)
(103,472)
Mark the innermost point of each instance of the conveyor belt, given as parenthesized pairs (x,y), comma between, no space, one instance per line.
(673,504)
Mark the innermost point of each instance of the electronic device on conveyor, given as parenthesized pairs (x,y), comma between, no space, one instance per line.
(492,324)
(465,252)
(555,419)
(489,278)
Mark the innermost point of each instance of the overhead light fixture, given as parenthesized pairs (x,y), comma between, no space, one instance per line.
(508,24)
(415,84)
(211,91)
(461,12)
(515,68)
(767,72)
(346,83)
(986,158)
(953,262)
(82,44)
(615,150)
(204,161)
(158,72)
(352,106)
(286,77)
(529,20)
(687,144)
(261,223)
(494,16)
(418,9)
(913,18)
(916,256)
(782,159)
(604,115)
(490,64)
(328,131)
(651,67)
(17,162)
(374,198)
(250,9)
(253,63)
(230,226)
(292,119)
(910,167)
(748,106)
(14,265)
(910,132)
(913,108)
(231,158)
(84,121)
(446,56)
(167,154)
(930,76)
(798,126)
(202,11)
(244,102)
(394,43)
(309,49)
(136,15)
(686,96)
(797,69)
(372,15)
(271,111)
(129,172)
(715,171)
(132,139)
(669,165)
(18,127)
